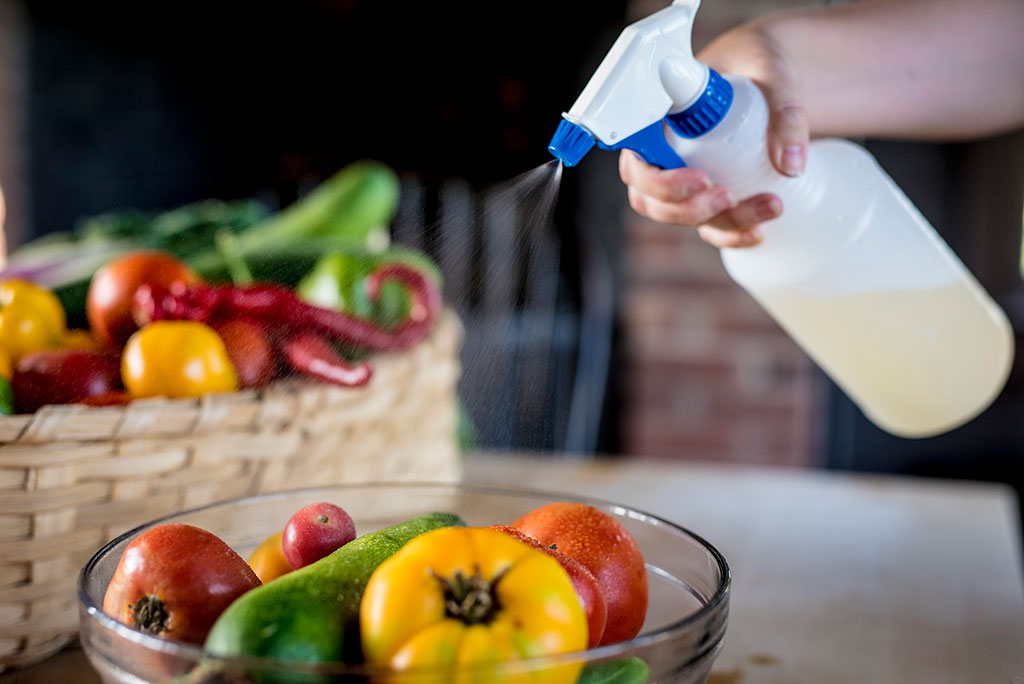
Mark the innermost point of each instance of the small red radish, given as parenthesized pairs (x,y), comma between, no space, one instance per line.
(316,531)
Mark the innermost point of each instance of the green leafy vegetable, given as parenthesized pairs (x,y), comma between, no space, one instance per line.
(355,205)
(6,398)
(625,671)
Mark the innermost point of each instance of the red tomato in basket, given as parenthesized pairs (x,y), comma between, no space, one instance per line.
(175,580)
(108,305)
(249,350)
(63,376)
(589,592)
(606,548)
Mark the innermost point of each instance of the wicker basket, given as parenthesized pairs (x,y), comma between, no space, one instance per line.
(72,477)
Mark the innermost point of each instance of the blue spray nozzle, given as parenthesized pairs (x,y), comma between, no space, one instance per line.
(570,143)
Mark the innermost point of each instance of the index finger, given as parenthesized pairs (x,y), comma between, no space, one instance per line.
(664,185)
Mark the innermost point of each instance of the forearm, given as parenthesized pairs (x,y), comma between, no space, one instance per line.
(925,69)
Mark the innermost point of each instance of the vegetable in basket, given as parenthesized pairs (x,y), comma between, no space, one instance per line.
(338,281)
(351,209)
(6,397)
(31,318)
(177,359)
(63,376)
(306,333)
(108,304)
(250,351)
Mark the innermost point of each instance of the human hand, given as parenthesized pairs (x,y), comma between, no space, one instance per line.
(686,196)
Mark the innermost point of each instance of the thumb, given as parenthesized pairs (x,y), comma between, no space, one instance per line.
(788,133)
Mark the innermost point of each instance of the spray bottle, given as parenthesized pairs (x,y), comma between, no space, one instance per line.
(851,270)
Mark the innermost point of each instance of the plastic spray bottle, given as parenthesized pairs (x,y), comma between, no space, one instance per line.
(851,270)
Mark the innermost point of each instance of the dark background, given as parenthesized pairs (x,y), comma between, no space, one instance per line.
(193,99)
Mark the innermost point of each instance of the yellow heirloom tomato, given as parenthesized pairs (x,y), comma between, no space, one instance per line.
(176,359)
(460,601)
(31,318)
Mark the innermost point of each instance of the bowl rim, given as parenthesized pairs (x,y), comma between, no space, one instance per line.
(600,653)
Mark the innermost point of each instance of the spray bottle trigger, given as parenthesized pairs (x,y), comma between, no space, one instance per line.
(651,145)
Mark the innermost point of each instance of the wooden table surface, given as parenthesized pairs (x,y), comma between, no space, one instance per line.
(836,578)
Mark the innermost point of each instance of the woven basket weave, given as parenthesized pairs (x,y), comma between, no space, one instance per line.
(72,477)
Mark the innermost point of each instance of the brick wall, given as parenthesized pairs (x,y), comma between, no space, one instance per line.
(709,375)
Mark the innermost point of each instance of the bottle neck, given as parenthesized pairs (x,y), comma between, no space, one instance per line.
(733,150)
(709,109)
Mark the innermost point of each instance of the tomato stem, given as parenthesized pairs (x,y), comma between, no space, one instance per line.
(472,598)
(150,615)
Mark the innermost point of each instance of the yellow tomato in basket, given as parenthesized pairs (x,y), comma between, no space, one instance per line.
(31,318)
(176,359)
(462,601)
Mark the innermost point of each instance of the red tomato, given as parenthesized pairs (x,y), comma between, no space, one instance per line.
(249,351)
(605,547)
(589,592)
(108,305)
(63,376)
(315,532)
(174,580)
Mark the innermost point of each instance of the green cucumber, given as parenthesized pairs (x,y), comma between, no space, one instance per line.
(311,614)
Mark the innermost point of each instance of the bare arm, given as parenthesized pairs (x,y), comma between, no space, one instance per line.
(922,69)
(913,69)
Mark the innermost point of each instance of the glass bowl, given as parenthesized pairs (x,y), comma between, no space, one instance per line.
(683,632)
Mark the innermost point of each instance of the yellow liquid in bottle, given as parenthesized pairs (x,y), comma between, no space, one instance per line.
(917,362)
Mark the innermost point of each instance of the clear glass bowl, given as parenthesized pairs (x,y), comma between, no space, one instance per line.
(683,632)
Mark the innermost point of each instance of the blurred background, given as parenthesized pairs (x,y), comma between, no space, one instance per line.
(595,332)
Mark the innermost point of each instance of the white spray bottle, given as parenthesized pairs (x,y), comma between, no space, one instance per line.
(851,270)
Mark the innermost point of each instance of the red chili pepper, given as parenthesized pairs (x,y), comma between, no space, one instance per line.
(157,303)
(424,302)
(280,308)
(307,331)
(311,355)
